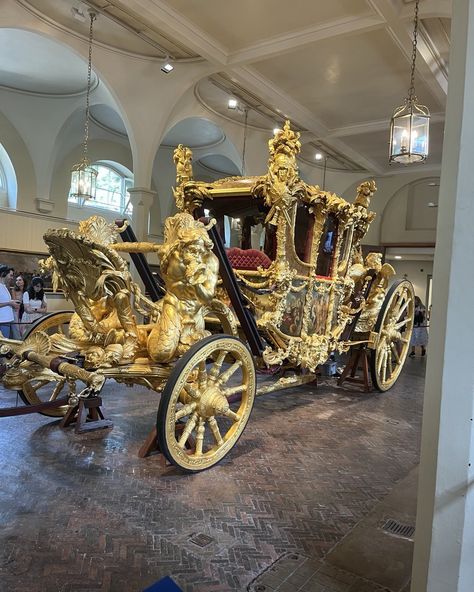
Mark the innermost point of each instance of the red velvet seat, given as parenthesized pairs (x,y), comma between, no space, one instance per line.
(248,259)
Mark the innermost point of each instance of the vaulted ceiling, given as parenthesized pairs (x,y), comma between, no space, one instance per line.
(337,69)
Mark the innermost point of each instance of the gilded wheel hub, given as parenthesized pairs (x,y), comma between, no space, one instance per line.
(212,402)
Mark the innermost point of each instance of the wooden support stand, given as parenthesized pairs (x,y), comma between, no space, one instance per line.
(358,361)
(150,445)
(87,415)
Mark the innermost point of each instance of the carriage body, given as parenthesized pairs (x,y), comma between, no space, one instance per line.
(295,251)
(256,272)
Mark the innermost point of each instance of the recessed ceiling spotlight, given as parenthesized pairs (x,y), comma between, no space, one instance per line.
(431,204)
(167,66)
(78,14)
(276,130)
(232,104)
(398,257)
(318,156)
(433,184)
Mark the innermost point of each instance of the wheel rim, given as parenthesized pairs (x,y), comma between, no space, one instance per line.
(45,390)
(208,404)
(56,322)
(395,326)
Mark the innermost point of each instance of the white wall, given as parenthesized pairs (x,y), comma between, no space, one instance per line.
(415,271)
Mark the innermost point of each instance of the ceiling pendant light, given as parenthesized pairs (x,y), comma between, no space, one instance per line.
(83,176)
(410,123)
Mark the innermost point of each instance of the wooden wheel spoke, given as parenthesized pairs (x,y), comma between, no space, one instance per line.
(200,436)
(57,389)
(216,368)
(202,374)
(188,428)
(215,431)
(185,410)
(402,309)
(231,415)
(227,375)
(384,367)
(38,384)
(395,353)
(381,361)
(234,390)
(401,323)
(389,362)
(192,392)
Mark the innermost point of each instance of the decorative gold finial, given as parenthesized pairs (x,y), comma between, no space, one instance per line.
(183,159)
(364,193)
(285,141)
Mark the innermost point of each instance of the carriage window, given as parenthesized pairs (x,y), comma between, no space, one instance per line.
(345,249)
(304,226)
(327,246)
(248,233)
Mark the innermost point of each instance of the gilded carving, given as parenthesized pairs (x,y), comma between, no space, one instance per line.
(190,271)
(316,295)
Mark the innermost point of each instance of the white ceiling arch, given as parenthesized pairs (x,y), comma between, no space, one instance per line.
(336,69)
(36,64)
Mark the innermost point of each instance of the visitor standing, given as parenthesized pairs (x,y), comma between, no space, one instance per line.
(7,304)
(17,292)
(420,332)
(34,302)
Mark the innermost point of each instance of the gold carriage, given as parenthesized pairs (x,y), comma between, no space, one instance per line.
(256,274)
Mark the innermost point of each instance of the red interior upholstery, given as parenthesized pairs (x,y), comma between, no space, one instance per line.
(248,258)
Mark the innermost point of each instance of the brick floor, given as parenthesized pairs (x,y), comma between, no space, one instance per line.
(83,513)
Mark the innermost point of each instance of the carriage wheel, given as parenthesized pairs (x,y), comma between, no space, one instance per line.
(55,322)
(206,403)
(43,390)
(394,327)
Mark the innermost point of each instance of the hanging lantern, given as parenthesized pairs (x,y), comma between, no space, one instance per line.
(410,123)
(83,181)
(83,176)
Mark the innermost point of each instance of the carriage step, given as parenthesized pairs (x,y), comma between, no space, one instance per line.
(87,415)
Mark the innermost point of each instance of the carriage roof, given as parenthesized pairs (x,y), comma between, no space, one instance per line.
(280,186)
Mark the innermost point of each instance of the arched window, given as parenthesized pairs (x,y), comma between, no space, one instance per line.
(8,185)
(112,187)
(3,179)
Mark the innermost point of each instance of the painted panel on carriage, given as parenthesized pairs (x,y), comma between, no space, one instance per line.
(292,320)
(318,310)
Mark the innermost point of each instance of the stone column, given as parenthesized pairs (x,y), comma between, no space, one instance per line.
(142,200)
(444,539)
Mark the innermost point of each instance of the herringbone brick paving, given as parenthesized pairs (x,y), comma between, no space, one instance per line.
(83,513)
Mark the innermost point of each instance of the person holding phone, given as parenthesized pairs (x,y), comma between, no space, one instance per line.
(34,301)
(7,304)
